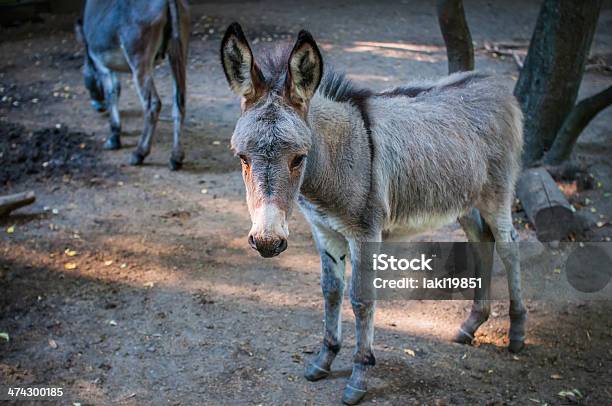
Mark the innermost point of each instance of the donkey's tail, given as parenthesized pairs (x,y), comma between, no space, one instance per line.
(177,45)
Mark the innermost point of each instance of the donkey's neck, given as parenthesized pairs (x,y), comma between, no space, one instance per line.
(337,175)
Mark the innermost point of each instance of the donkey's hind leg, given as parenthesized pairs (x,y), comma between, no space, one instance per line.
(177,57)
(506,239)
(332,249)
(140,48)
(112,89)
(151,104)
(479,232)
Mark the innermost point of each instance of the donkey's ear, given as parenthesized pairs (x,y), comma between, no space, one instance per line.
(241,71)
(305,70)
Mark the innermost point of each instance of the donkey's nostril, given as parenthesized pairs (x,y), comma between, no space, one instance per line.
(252,242)
(281,245)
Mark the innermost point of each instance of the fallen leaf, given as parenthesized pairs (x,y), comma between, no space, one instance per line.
(112,322)
(555,376)
(573,394)
(149,284)
(52,343)
(70,265)
(123,266)
(108,263)
(70,253)
(557,270)
(10,230)
(409,352)
(4,336)
(600,224)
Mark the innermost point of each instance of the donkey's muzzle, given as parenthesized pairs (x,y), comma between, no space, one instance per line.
(268,247)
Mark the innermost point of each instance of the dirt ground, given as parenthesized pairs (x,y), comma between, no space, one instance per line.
(137,286)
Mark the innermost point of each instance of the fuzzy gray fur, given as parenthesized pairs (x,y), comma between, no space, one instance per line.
(382,166)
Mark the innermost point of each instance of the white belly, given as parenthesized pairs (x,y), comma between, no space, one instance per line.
(416,225)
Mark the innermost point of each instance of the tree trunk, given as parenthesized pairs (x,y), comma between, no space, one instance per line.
(552,72)
(580,116)
(456,33)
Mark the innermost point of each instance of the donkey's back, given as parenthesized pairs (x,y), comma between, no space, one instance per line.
(443,148)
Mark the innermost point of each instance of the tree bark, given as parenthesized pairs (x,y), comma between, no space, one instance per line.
(552,72)
(573,125)
(456,33)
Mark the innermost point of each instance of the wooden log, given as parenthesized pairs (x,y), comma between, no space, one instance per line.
(545,205)
(13,202)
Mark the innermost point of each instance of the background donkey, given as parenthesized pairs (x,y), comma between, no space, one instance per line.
(134,35)
(370,166)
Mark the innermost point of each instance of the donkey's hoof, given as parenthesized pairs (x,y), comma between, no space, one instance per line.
(463,338)
(112,144)
(353,395)
(175,164)
(136,159)
(98,106)
(516,346)
(314,373)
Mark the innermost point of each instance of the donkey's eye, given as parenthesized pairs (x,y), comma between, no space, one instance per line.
(297,161)
(243,159)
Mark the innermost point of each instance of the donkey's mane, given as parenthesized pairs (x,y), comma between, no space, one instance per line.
(337,87)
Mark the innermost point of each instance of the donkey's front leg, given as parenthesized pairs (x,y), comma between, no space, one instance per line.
(363,301)
(332,249)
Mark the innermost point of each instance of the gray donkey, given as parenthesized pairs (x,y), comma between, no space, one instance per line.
(133,36)
(368,167)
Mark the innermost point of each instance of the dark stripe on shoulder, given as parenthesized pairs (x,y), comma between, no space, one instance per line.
(361,103)
(331,257)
